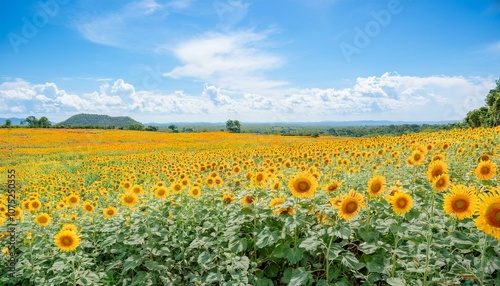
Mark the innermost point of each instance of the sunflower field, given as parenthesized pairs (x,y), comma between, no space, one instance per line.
(114,207)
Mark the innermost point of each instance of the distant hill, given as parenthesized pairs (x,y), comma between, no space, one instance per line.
(83,119)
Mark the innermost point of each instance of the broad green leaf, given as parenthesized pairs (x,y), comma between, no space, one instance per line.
(294,255)
(310,243)
(300,277)
(349,260)
(132,262)
(265,238)
(396,282)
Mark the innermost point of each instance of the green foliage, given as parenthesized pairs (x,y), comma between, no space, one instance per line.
(233,126)
(33,122)
(488,115)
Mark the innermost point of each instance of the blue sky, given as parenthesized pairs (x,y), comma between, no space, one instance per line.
(279,61)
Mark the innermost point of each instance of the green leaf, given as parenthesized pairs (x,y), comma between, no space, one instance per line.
(374,263)
(287,275)
(349,260)
(59,265)
(300,277)
(396,282)
(238,245)
(265,238)
(132,262)
(310,244)
(272,270)
(139,278)
(205,257)
(241,263)
(294,255)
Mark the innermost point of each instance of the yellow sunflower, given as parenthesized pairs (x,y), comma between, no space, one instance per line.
(333,186)
(489,214)
(350,205)
(195,192)
(88,207)
(109,212)
(435,169)
(259,179)
(247,200)
(137,189)
(73,199)
(417,157)
(486,170)
(43,219)
(161,192)
(303,185)
(69,226)
(376,186)
(130,199)
(35,205)
(401,202)
(276,201)
(460,202)
(228,198)
(441,182)
(67,240)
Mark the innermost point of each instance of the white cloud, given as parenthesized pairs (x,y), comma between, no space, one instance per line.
(235,60)
(134,25)
(386,97)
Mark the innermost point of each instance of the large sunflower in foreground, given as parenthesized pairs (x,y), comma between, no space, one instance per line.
(350,205)
(67,240)
(303,185)
(401,202)
(489,214)
(486,170)
(460,202)
(376,186)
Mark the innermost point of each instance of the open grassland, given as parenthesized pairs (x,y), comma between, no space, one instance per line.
(105,207)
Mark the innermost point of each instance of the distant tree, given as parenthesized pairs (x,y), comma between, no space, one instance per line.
(488,115)
(233,126)
(33,122)
(136,126)
(8,123)
(172,127)
(44,122)
(151,128)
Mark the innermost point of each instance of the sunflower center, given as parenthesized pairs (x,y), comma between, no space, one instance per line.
(89,208)
(376,187)
(401,203)
(42,219)
(440,182)
(111,212)
(259,177)
(437,172)
(195,192)
(34,205)
(416,157)
(67,241)
(460,205)
(485,170)
(129,199)
(493,215)
(161,192)
(73,200)
(351,207)
(303,186)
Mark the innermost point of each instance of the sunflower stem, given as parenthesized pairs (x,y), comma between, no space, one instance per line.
(328,261)
(429,238)
(483,250)
(396,241)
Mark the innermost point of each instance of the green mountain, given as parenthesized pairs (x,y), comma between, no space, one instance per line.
(97,120)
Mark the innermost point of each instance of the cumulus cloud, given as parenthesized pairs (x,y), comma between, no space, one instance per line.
(233,60)
(386,97)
